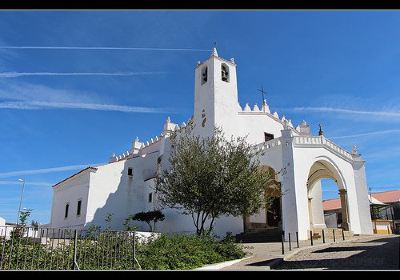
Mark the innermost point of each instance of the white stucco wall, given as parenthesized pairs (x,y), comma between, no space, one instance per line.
(71,191)
(317,208)
(109,191)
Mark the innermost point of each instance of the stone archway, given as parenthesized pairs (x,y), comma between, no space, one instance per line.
(323,169)
(270,217)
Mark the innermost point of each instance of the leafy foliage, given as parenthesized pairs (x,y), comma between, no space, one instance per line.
(211,177)
(115,251)
(19,230)
(108,220)
(148,217)
(186,252)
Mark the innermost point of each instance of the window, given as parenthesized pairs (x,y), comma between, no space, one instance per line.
(78,208)
(225,72)
(130,172)
(150,197)
(268,136)
(204,75)
(66,210)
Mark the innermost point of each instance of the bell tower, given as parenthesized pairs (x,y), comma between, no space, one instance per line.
(216,96)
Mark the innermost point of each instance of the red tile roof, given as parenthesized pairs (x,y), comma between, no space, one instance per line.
(385,197)
(388,196)
(332,204)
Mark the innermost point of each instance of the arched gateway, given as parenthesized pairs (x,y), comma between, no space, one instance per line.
(303,161)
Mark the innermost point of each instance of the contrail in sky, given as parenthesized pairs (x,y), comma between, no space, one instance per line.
(393,114)
(36,105)
(368,134)
(102,48)
(21,74)
(45,170)
(39,184)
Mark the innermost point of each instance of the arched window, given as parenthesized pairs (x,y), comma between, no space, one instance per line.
(225,72)
(66,210)
(204,75)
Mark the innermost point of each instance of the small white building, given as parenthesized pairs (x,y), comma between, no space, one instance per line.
(126,184)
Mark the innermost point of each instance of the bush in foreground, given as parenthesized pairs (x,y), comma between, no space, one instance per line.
(114,251)
(176,252)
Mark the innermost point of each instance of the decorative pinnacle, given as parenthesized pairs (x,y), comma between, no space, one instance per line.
(355,150)
(214,52)
(320,132)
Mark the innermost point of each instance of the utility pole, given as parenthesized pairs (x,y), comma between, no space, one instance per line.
(20,200)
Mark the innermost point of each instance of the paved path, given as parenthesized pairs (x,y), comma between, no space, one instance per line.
(262,255)
(378,252)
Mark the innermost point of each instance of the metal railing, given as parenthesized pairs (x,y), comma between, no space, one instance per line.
(28,248)
(314,238)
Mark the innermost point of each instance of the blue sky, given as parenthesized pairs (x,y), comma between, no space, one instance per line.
(71,106)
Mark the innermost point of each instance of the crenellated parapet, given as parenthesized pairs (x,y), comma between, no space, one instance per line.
(141,148)
(265,110)
(310,142)
(124,155)
(317,141)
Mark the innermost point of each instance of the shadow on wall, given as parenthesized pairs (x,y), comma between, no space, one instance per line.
(124,194)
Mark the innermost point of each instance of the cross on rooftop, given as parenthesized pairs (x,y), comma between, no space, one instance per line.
(263,96)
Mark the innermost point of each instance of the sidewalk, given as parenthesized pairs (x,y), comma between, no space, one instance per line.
(266,255)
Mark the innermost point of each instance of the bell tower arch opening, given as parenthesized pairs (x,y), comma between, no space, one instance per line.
(225,72)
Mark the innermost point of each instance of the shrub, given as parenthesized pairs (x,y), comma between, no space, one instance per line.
(148,217)
(186,252)
(114,250)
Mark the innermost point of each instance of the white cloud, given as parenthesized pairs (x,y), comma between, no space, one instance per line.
(45,170)
(25,96)
(34,92)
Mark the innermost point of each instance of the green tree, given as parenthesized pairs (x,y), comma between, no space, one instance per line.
(35,224)
(23,216)
(20,230)
(127,224)
(148,217)
(108,220)
(213,176)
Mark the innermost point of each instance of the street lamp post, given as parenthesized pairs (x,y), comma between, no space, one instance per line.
(20,200)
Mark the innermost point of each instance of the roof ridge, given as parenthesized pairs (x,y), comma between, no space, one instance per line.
(330,199)
(386,191)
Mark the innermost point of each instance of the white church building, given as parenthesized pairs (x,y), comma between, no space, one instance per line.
(126,185)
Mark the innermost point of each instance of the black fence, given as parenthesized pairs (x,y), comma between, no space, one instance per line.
(29,248)
(321,236)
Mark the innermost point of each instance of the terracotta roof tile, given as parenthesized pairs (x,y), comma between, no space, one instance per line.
(331,204)
(385,197)
(388,196)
